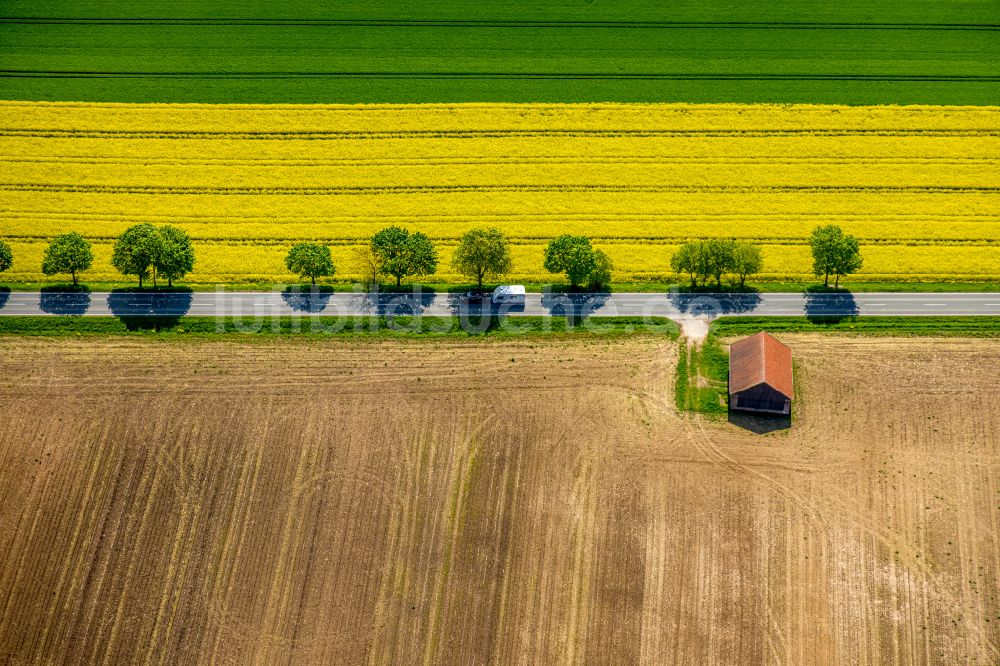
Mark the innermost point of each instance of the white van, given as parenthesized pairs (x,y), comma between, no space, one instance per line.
(509,294)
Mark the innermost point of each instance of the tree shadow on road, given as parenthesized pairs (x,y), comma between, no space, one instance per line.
(4,295)
(714,304)
(65,300)
(825,305)
(307,298)
(395,304)
(575,307)
(145,310)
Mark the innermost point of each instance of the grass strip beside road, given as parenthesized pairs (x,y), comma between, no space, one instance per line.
(326,327)
(726,327)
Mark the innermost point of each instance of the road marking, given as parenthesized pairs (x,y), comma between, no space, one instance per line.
(940,305)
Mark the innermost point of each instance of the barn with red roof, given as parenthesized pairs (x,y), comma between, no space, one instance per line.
(760,375)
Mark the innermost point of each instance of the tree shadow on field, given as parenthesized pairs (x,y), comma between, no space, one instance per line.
(4,295)
(307,298)
(829,306)
(146,310)
(65,300)
(760,424)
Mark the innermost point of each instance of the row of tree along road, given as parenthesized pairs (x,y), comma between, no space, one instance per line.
(482,254)
(166,253)
(834,254)
(143,250)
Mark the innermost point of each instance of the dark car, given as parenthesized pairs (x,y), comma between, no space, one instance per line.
(476,296)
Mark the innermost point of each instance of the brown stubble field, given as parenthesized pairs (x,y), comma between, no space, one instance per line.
(523,501)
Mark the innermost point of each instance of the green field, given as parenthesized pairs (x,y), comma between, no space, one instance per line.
(897,52)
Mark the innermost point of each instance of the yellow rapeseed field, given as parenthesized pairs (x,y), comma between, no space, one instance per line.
(918,185)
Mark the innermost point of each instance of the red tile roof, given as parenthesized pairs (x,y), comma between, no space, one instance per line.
(760,359)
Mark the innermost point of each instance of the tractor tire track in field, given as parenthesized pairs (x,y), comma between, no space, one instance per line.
(534,241)
(417,189)
(910,554)
(468,161)
(493,134)
(498,23)
(367,502)
(498,76)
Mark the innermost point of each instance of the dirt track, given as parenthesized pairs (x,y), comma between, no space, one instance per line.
(525,501)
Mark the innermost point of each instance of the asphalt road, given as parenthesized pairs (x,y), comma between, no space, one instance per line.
(674,306)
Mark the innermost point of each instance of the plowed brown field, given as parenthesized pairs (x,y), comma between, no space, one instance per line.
(516,501)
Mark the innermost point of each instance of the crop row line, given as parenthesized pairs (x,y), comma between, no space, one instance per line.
(547,76)
(419,189)
(381,108)
(541,240)
(600,216)
(498,23)
(437,161)
(284,135)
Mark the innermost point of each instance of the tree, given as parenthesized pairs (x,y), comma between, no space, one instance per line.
(705,259)
(572,255)
(718,258)
(482,253)
(175,255)
(135,251)
(689,258)
(310,260)
(68,253)
(600,277)
(370,263)
(747,261)
(401,254)
(834,253)
(6,257)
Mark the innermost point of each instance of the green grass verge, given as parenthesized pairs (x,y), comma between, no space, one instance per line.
(326,327)
(853,52)
(886,326)
(702,378)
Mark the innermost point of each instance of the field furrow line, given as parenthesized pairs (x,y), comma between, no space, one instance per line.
(476,161)
(451,531)
(417,189)
(229,567)
(431,134)
(150,481)
(496,23)
(424,75)
(76,571)
(275,619)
